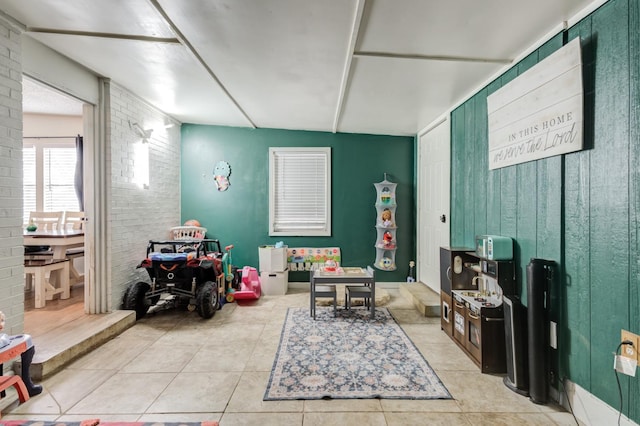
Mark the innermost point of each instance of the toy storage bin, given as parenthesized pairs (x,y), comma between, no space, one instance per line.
(272,259)
(274,283)
(187,233)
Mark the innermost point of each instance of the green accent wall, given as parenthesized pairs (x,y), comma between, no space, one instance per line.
(580,209)
(240,215)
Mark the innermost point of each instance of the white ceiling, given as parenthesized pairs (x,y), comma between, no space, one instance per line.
(365,66)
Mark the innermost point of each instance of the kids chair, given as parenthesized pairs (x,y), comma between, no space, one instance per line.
(357,291)
(324,291)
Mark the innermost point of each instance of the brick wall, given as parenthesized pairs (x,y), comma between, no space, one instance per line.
(134,215)
(11,249)
(137,215)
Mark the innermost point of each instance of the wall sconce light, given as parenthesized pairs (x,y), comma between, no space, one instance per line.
(141,155)
(144,134)
(141,164)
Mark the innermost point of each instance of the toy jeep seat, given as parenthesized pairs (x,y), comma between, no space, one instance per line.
(172,267)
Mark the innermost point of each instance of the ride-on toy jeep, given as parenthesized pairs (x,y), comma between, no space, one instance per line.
(184,272)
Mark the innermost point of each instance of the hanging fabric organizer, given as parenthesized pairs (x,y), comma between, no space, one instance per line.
(385,225)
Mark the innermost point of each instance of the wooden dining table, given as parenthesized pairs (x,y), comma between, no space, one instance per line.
(59,240)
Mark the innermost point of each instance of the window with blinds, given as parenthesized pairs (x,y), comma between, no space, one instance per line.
(48,177)
(300,191)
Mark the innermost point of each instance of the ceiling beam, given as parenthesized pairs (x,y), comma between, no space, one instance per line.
(346,71)
(134,37)
(199,58)
(431,57)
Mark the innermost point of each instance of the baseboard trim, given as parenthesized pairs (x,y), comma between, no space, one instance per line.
(589,409)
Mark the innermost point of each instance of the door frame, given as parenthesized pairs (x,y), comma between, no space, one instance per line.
(424,137)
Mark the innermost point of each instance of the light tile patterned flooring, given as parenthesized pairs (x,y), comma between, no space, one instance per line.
(174,366)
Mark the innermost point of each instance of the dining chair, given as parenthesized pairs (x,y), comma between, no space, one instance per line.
(46,221)
(73,220)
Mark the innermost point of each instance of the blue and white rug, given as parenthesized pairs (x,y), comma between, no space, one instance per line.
(350,356)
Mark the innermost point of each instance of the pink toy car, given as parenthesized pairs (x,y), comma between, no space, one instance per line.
(249,286)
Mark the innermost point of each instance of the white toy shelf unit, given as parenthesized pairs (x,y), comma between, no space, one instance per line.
(385,225)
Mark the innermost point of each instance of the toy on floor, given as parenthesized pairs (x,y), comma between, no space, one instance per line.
(10,347)
(182,274)
(411,276)
(249,285)
(231,275)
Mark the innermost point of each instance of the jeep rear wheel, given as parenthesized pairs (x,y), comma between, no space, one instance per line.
(207,300)
(135,300)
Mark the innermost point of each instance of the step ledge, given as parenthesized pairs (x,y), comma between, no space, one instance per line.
(75,339)
(424,299)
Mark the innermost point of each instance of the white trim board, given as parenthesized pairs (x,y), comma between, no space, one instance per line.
(591,410)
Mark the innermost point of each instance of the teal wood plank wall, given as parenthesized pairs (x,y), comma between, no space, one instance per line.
(634,192)
(579,209)
(240,215)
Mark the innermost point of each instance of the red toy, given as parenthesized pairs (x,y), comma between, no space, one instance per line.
(388,239)
(249,286)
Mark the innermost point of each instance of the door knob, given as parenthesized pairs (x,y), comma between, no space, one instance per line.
(443,218)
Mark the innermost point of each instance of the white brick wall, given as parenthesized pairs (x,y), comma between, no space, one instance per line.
(11,249)
(134,215)
(137,215)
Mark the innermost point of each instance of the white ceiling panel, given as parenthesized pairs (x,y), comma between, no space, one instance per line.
(370,66)
(42,98)
(492,29)
(163,74)
(389,94)
(281,60)
(132,17)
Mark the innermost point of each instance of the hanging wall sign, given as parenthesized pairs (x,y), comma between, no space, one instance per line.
(540,113)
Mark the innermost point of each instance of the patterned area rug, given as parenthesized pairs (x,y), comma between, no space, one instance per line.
(350,356)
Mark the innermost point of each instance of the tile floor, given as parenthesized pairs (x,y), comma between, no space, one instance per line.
(174,366)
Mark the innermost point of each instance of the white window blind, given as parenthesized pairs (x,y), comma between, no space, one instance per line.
(29,182)
(300,191)
(48,177)
(59,172)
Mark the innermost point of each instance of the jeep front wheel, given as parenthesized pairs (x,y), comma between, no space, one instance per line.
(135,300)
(207,300)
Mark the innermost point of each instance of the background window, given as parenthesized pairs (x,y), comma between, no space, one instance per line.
(300,191)
(48,177)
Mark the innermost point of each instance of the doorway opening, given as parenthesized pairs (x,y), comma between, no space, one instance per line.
(53,127)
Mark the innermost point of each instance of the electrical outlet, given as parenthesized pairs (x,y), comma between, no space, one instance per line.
(629,351)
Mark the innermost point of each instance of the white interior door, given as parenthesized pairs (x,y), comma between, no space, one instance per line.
(433,201)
